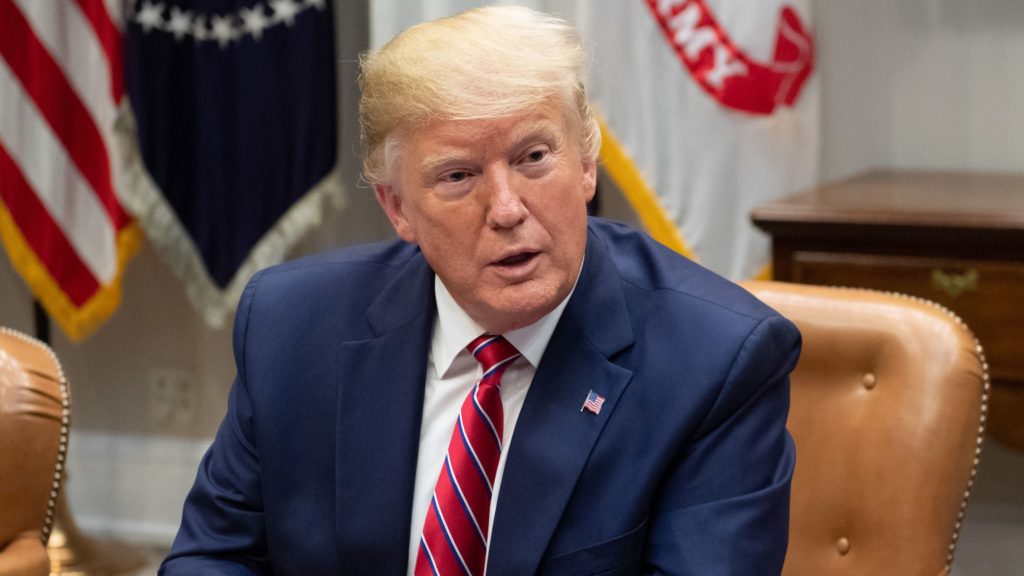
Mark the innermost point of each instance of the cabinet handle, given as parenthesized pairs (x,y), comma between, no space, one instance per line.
(954,283)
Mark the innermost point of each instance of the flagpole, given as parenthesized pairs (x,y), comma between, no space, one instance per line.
(71,552)
(42,322)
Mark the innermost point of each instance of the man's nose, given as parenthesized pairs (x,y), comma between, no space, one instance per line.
(506,206)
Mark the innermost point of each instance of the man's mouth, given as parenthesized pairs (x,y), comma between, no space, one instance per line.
(516,259)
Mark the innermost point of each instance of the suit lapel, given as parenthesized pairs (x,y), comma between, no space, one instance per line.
(553,438)
(379,412)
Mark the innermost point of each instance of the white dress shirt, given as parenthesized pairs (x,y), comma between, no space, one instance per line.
(451,373)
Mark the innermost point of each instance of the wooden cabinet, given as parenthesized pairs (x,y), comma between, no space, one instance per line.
(955,238)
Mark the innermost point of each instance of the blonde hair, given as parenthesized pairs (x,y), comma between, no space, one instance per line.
(486,63)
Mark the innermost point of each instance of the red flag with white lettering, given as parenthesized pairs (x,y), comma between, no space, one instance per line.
(724,70)
(61,223)
(710,107)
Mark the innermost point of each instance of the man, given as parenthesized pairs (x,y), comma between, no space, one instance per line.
(627,412)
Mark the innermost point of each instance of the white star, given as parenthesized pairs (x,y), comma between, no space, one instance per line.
(223,30)
(199,29)
(180,23)
(254,21)
(285,10)
(150,16)
(318,4)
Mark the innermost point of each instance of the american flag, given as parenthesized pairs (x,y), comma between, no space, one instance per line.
(61,83)
(593,403)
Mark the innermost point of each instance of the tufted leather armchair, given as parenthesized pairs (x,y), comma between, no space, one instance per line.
(34,418)
(887,412)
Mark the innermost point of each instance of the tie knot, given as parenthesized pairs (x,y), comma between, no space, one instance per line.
(492,352)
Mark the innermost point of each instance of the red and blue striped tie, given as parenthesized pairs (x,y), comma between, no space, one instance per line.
(454,539)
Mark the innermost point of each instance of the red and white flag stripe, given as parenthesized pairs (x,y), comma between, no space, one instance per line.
(61,84)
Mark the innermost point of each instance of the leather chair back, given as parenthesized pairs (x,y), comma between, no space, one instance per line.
(887,412)
(34,420)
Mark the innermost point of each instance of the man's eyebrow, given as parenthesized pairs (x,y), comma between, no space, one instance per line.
(434,162)
(540,130)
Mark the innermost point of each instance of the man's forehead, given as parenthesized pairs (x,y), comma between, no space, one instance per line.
(442,139)
(505,129)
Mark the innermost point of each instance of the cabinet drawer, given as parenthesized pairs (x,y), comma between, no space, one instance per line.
(988,295)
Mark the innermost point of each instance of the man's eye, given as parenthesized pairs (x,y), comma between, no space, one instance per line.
(455,176)
(536,155)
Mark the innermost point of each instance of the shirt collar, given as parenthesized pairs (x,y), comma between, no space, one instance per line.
(454,330)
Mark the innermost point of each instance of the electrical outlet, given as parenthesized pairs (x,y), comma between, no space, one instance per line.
(172,398)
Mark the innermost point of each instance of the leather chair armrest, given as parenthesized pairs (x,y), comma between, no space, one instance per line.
(25,556)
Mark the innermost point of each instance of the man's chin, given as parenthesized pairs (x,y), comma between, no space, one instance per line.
(519,306)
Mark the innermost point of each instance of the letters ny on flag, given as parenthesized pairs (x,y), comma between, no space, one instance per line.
(233,109)
(61,223)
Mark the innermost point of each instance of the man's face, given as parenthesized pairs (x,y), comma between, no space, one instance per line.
(498,208)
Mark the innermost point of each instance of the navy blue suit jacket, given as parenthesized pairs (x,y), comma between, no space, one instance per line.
(686,470)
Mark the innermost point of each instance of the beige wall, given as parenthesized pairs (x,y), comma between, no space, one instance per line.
(922,84)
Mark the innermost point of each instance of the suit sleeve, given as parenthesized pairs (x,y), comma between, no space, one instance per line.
(723,509)
(222,527)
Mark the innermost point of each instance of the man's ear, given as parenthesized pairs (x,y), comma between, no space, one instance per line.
(391,202)
(589,179)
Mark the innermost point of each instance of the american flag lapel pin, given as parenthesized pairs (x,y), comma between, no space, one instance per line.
(592,403)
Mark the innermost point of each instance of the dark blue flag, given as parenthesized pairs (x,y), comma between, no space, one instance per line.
(234,112)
